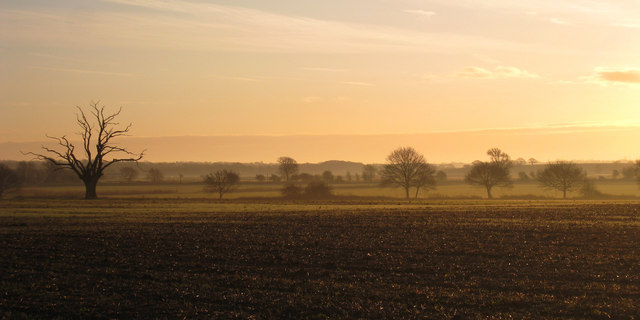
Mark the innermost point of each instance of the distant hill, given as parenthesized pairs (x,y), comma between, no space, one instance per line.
(579,143)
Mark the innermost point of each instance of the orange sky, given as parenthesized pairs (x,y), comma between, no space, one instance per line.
(334,67)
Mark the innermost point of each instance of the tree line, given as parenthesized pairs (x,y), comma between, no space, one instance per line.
(405,167)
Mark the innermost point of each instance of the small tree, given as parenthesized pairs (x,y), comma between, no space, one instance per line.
(327,176)
(407,168)
(29,172)
(221,182)
(523,176)
(615,174)
(562,176)
(274,178)
(288,167)
(588,189)
(532,161)
(369,173)
(303,177)
(8,179)
(291,191)
(260,178)
(102,127)
(441,176)
(494,173)
(317,190)
(426,178)
(155,175)
(128,174)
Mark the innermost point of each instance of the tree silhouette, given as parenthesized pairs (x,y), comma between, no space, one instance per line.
(562,176)
(407,168)
(492,173)
(8,179)
(98,130)
(128,174)
(155,175)
(288,167)
(221,182)
(369,172)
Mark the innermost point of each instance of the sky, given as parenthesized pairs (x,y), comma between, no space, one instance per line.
(325,68)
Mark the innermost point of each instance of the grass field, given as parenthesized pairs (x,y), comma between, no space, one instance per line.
(198,258)
(455,189)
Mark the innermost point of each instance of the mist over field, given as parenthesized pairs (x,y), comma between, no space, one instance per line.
(306,159)
(545,144)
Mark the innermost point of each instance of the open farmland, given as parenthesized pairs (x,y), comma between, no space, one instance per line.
(451,189)
(202,259)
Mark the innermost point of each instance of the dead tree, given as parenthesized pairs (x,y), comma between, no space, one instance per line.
(98,130)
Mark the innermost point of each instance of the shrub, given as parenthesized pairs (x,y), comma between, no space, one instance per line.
(291,191)
(317,190)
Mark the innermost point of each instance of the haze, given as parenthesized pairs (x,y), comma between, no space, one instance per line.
(548,79)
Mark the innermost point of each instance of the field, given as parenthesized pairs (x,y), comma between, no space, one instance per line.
(262,259)
(453,189)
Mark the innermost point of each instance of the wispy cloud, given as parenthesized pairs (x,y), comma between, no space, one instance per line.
(607,77)
(560,22)
(204,26)
(419,12)
(631,25)
(626,76)
(500,72)
(85,71)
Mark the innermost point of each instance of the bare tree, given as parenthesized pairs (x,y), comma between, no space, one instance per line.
(562,176)
(8,179)
(532,161)
(369,172)
(407,168)
(29,172)
(274,178)
(155,175)
(288,167)
(221,182)
(102,127)
(521,161)
(327,176)
(492,173)
(426,178)
(128,173)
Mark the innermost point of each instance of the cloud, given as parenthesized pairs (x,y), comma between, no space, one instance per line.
(419,12)
(204,26)
(631,25)
(559,22)
(606,77)
(85,71)
(626,76)
(500,72)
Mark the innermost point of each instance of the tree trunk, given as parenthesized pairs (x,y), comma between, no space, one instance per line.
(417,191)
(90,189)
(489,193)
(406,191)
(564,193)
